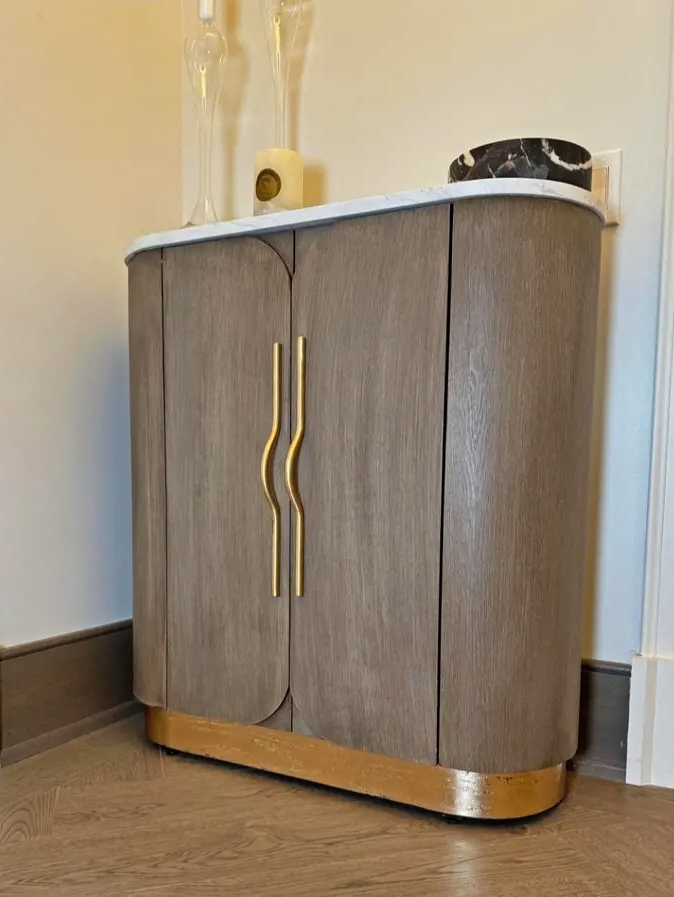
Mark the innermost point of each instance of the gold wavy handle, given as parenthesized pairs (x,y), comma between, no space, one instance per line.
(291,467)
(267,469)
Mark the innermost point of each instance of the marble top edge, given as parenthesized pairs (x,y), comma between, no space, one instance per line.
(354,208)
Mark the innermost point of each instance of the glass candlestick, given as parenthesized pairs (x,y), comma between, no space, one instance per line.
(279,171)
(205,55)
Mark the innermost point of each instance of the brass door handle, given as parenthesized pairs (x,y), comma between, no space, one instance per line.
(291,467)
(267,470)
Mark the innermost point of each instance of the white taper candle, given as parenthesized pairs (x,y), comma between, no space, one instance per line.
(206,10)
(279,180)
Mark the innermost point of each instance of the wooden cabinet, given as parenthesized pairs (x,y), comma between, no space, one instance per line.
(420,382)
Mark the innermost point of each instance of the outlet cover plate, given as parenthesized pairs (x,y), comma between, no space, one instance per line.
(607,182)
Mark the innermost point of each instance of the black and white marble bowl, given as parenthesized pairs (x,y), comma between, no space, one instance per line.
(526,157)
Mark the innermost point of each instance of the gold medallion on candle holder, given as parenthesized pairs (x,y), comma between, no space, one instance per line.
(267,185)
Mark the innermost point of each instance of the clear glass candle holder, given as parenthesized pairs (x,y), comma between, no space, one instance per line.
(279,170)
(205,56)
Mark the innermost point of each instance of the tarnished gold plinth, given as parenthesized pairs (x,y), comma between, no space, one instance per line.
(469,794)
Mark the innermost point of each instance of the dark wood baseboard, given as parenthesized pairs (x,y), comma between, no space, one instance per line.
(604,715)
(56,689)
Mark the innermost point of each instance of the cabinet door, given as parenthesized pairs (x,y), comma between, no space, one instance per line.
(370,296)
(226,304)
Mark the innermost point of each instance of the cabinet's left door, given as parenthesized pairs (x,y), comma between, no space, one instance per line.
(226,304)
(148,478)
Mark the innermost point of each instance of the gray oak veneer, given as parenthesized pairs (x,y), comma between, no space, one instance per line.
(519,410)
(226,304)
(443,475)
(148,478)
(370,297)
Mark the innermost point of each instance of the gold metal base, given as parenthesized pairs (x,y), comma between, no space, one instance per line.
(468,794)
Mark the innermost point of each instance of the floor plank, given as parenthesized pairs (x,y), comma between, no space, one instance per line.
(28,817)
(109,815)
(118,751)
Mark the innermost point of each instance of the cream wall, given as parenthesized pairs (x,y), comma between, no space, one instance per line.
(393,90)
(90,156)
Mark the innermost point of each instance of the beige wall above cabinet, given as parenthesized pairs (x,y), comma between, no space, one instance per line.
(90,155)
(441,411)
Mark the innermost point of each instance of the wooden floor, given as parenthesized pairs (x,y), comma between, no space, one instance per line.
(110,815)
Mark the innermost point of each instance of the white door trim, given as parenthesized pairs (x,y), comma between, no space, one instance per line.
(650,742)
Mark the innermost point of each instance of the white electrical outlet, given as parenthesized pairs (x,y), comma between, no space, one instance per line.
(607,182)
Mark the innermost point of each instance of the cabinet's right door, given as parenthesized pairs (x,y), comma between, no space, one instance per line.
(370,296)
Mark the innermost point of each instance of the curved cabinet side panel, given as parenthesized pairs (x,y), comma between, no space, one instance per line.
(519,410)
(148,477)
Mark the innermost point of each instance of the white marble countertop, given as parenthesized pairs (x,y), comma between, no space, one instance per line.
(371,205)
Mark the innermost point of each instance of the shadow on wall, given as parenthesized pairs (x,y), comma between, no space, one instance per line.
(237,76)
(315,173)
(235,84)
(109,510)
(236,80)
(598,437)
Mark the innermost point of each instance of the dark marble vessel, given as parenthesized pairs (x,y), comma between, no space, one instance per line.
(526,157)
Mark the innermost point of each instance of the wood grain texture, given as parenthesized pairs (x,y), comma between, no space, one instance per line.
(300,726)
(283,718)
(57,689)
(208,830)
(28,818)
(283,243)
(119,752)
(604,713)
(148,476)
(430,787)
(225,303)
(370,296)
(55,737)
(519,409)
